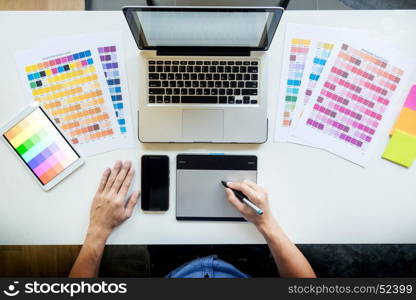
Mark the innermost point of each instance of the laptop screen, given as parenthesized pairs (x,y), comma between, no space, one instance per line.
(197,27)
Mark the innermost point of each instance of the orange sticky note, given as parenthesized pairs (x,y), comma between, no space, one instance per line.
(406,122)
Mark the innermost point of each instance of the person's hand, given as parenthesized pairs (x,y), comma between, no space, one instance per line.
(255,194)
(109,209)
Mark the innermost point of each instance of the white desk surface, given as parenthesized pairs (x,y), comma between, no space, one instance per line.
(316,196)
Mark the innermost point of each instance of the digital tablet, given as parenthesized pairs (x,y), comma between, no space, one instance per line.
(200,195)
(41,147)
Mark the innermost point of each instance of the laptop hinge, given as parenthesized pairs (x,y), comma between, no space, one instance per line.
(203,51)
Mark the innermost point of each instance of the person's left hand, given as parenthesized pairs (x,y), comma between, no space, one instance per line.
(108,209)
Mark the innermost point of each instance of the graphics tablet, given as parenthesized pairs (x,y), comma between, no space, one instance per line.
(41,147)
(199,192)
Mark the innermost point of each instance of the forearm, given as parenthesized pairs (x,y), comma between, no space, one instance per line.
(88,262)
(288,258)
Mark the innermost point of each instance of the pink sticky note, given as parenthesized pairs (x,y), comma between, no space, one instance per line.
(411,99)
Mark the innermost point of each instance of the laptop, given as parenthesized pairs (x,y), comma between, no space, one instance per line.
(203,72)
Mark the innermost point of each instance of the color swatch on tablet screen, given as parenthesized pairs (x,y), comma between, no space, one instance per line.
(41,146)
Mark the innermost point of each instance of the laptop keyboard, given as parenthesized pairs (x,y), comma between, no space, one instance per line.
(203,81)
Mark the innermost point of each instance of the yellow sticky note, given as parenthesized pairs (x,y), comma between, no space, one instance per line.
(406,122)
(401,149)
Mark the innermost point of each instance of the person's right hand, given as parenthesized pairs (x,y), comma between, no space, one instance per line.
(255,194)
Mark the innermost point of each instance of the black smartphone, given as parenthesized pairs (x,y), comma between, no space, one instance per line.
(155,182)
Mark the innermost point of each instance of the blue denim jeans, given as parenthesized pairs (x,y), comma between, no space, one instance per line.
(207,267)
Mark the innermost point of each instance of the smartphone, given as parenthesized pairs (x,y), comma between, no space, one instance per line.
(155,182)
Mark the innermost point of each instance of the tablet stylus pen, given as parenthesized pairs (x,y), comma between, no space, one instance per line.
(244,199)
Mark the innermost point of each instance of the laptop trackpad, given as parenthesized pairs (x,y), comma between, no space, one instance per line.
(203,125)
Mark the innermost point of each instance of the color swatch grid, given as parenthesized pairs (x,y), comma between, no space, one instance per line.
(109,61)
(354,97)
(299,49)
(41,146)
(69,89)
(323,51)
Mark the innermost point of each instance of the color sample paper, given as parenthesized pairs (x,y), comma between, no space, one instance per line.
(41,146)
(406,122)
(411,99)
(348,108)
(108,47)
(68,81)
(401,149)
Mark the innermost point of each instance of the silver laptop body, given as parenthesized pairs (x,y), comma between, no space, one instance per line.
(203,74)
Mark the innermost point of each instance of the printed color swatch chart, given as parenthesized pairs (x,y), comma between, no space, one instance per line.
(349,104)
(41,146)
(109,61)
(299,49)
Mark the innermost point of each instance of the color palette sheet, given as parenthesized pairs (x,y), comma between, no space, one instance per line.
(41,146)
(68,81)
(108,46)
(307,49)
(352,101)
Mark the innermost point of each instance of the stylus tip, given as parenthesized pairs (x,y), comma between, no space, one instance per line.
(224,183)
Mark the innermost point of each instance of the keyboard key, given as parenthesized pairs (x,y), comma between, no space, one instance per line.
(171,76)
(159,62)
(151,62)
(229,91)
(237,92)
(176,91)
(220,69)
(207,62)
(227,69)
(205,69)
(175,62)
(166,99)
(235,69)
(254,77)
(191,62)
(201,76)
(230,63)
(253,102)
(153,76)
(169,91)
(223,77)
(226,84)
(208,76)
(240,84)
(251,84)
(246,101)
(189,69)
(152,69)
(252,69)
(194,76)
(199,99)
(159,99)
(184,91)
(233,84)
(231,101)
(216,76)
(246,63)
(243,69)
(222,99)
(175,69)
(254,63)
(239,102)
(166,69)
(238,63)
(231,98)
(168,62)
(231,76)
(223,63)
(176,99)
(207,92)
(246,98)
(199,91)
(215,63)
(156,91)
(188,83)
(165,83)
(239,77)
(185,76)
(163,76)
(214,91)
(159,69)
(221,91)
(172,84)
(203,84)
(182,69)
(195,84)
(183,62)
(213,69)
(246,76)
(191,91)
(199,63)
(210,84)
(197,69)
(249,92)
(178,76)
(155,84)
(152,99)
